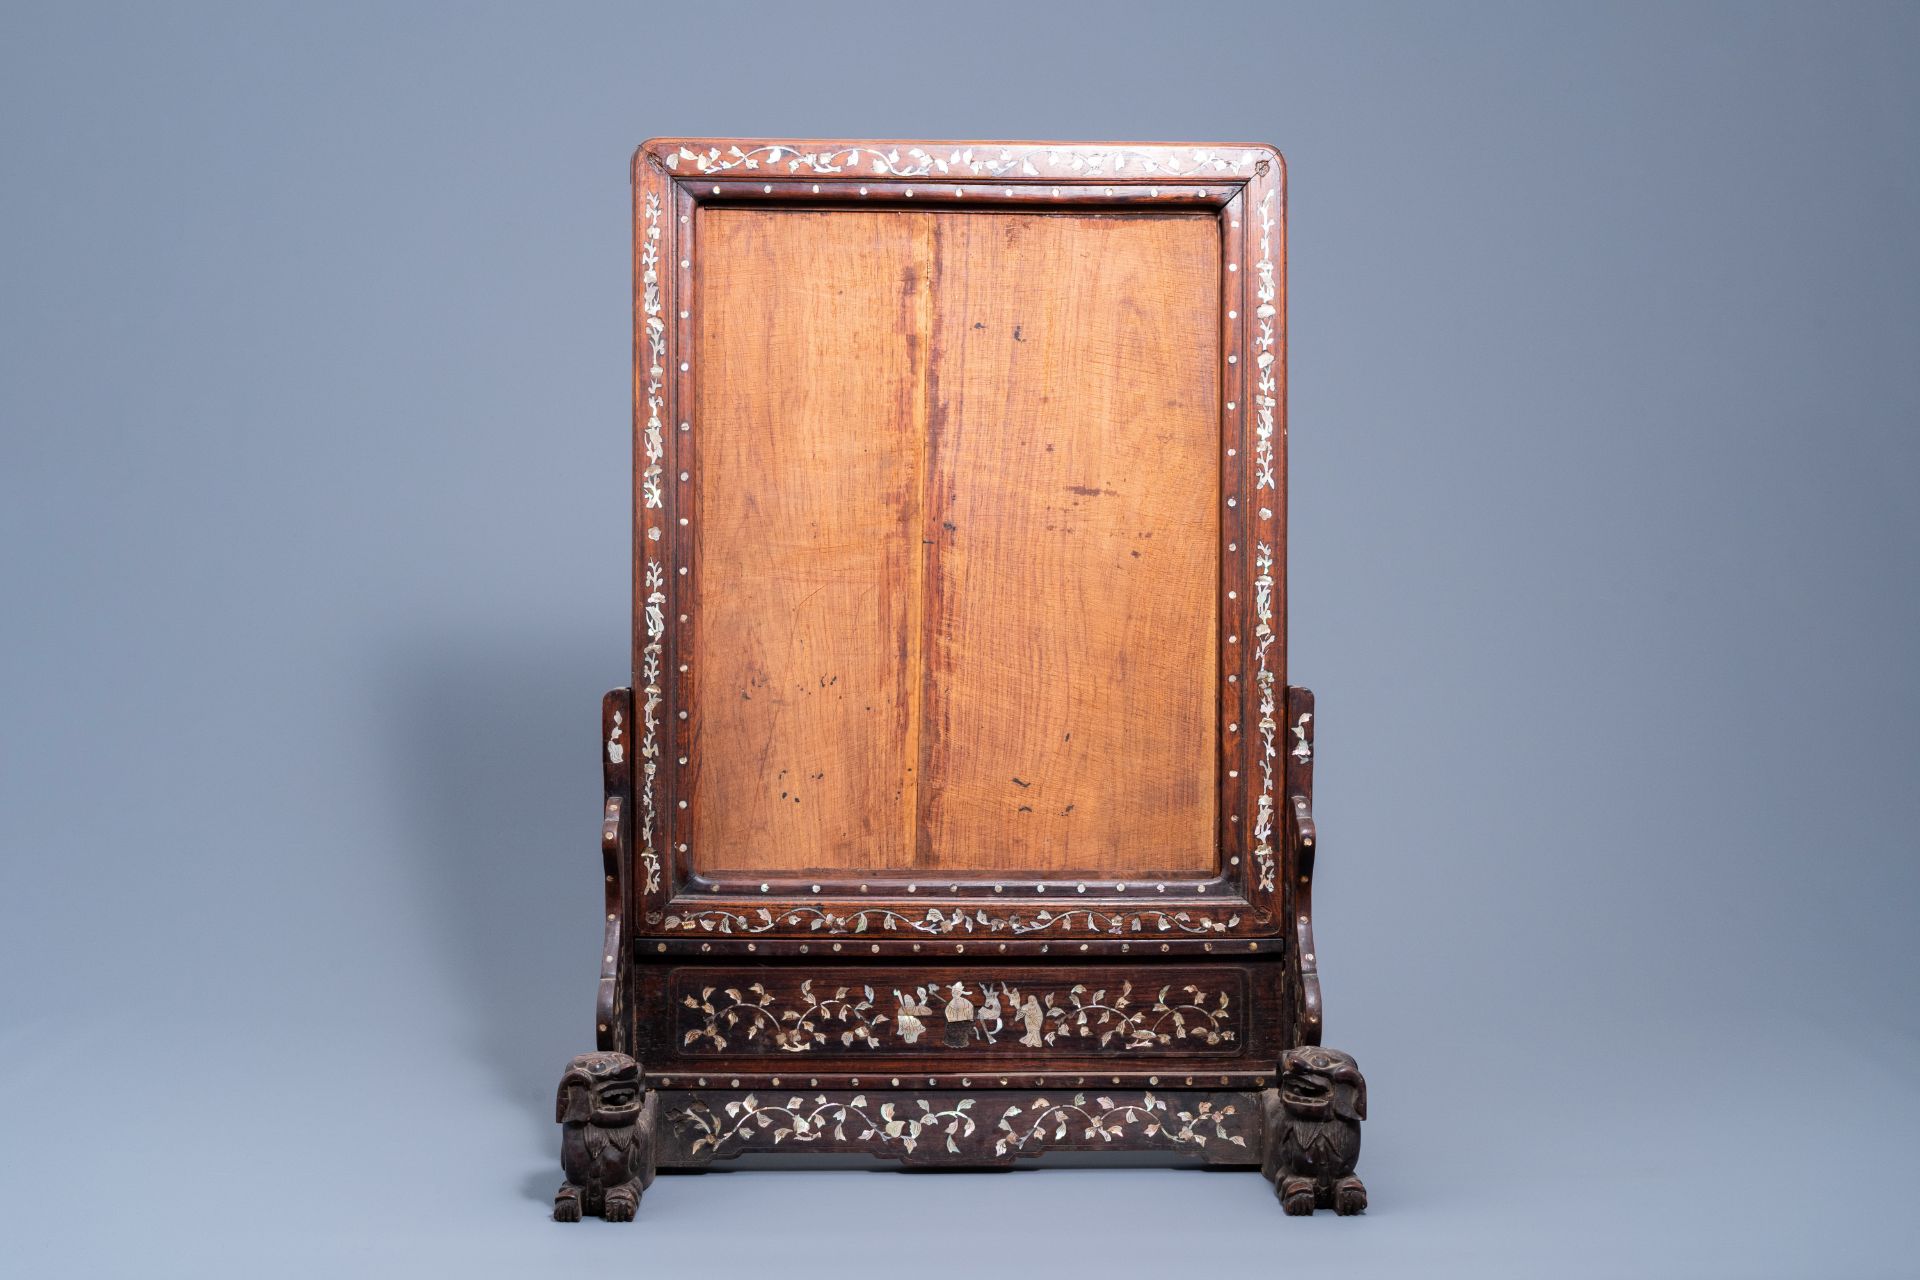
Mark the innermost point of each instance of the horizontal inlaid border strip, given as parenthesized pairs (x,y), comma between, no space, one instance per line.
(991,1127)
(1105,1074)
(1026,196)
(878,159)
(718,943)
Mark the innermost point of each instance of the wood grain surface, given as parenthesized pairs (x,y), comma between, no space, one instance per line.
(811,397)
(1070,675)
(958,489)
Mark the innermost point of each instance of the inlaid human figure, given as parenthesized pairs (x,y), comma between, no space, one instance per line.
(912,1009)
(959,1013)
(1034,1020)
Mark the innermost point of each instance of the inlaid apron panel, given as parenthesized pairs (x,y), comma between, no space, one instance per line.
(1027,1014)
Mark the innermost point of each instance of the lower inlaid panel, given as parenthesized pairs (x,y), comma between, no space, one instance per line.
(988,1013)
(951,1127)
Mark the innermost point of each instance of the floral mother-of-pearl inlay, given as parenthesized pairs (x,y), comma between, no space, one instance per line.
(1043,1019)
(803,1122)
(652,500)
(753,1012)
(1303,748)
(738,1017)
(1104,1119)
(918,162)
(900,1125)
(1269,727)
(937,921)
(1266,335)
(1266,402)
(978,162)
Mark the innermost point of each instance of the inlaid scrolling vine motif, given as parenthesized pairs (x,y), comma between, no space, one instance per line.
(900,1126)
(893,1126)
(1104,1120)
(1269,727)
(1044,1019)
(754,1012)
(1266,401)
(656,333)
(956,920)
(918,162)
(654,574)
(967,1013)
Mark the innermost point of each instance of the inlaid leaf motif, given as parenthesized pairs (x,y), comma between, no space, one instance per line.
(1108,1120)
(1036,1018)
(935,921)
(653,499)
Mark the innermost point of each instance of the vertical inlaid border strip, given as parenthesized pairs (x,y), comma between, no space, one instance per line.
(1277,181)
(650,393)
(1265,374)
(1232,671)
(682,531)
(1303,848)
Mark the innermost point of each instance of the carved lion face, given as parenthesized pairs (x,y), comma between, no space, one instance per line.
(1316,1083)
(599,1088)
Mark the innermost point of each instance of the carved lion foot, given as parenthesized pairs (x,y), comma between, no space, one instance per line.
(566,1204)
(1296,1196)
(624,1200)
(1349,1197)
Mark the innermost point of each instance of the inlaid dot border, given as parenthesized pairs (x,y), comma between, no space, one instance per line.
(1247,541)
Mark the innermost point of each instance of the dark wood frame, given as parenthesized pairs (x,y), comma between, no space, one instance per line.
(664,921)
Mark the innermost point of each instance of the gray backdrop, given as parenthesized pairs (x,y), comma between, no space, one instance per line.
(314,506)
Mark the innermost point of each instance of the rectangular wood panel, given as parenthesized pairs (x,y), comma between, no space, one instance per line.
(1070,677)
(811,399)
(958,492)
